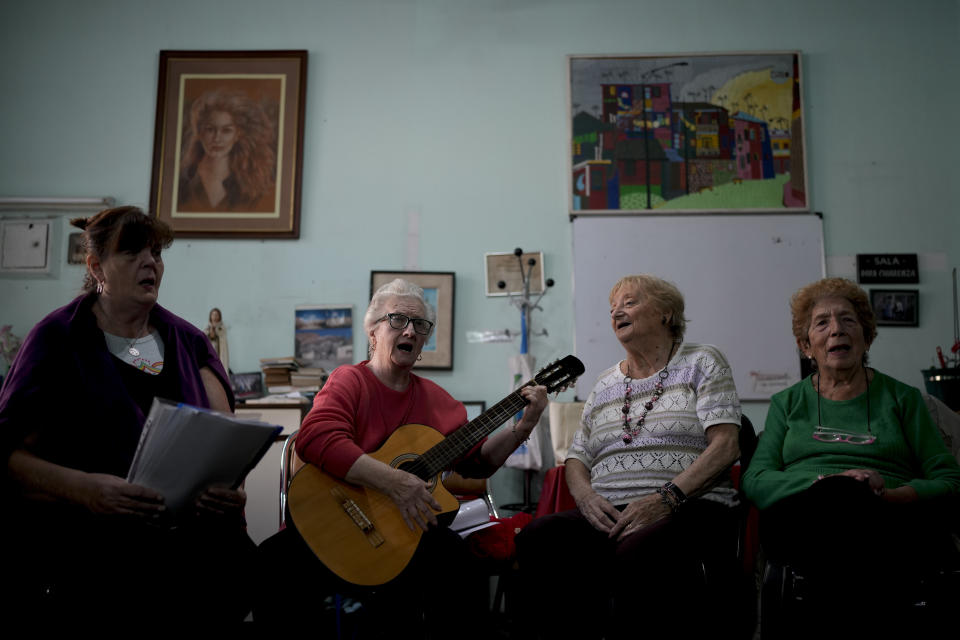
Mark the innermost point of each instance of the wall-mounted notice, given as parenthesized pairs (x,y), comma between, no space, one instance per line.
(901,268)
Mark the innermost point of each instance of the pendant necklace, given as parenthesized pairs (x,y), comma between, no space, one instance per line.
(630,433)
(132,350)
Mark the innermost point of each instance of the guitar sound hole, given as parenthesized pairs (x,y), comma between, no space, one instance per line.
(408,463)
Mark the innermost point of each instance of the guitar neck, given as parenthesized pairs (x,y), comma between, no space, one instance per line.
(442,455)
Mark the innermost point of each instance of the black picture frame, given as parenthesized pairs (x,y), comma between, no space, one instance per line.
(474,408)
(896,307)
(247,385)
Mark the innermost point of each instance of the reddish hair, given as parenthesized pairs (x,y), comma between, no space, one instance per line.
(121,229)
(253,160)
(805,299)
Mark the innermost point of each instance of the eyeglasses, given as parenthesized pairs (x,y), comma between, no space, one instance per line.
(399,321)
(825,434)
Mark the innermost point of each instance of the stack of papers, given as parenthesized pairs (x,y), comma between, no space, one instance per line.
(183,450)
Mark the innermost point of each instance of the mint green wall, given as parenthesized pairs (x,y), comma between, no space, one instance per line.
(455,110)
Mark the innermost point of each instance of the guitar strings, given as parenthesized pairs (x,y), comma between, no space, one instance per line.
(439,456)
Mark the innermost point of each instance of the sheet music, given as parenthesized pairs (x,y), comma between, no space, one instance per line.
(184,449)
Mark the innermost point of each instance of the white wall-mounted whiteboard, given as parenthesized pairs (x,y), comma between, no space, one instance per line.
(737,274)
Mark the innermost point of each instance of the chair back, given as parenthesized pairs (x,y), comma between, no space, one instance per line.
(466,489)
(289,464)
(748,442)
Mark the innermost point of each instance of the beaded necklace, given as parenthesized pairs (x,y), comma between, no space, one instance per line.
(628,433)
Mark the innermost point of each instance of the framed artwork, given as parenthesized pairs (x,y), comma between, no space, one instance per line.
(76,254)
(246,385)
(686,133)
(438,288)
(474,408)
(323,336)
(228,143)
(505,268)
(895,307)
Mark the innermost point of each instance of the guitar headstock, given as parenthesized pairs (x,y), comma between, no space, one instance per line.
(560,374)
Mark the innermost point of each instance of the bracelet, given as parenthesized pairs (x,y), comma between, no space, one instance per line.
(667,499)
(675,492)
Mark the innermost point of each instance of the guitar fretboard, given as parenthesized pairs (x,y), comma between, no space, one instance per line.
(441,455)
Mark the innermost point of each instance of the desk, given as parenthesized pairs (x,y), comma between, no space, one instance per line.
(263,482)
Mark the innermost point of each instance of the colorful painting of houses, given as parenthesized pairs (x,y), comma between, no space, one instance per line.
(718,132)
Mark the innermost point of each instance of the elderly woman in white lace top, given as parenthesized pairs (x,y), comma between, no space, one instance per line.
(648,472)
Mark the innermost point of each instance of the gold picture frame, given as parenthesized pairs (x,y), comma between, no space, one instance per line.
(439,288)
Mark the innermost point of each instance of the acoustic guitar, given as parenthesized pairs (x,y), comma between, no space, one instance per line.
(358,533)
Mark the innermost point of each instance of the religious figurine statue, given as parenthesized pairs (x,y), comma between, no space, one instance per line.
(217,333)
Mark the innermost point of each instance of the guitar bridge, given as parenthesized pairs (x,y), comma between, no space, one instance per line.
(358,516)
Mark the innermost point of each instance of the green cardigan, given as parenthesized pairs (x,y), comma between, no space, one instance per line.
(908,449)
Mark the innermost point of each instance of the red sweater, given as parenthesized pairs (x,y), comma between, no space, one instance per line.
(355,413)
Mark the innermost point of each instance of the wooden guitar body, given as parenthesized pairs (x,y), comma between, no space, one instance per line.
(323,508)
(358,533)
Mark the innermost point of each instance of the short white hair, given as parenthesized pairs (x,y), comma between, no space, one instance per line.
(398,288)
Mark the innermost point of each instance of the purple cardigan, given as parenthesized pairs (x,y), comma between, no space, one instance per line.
(64,386)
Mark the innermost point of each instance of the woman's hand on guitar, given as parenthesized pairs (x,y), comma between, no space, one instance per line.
(536,397)
(415,502)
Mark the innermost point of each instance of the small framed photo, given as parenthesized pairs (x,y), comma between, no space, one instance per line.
(323,335)
(895,307)
(246,385)
(228,143)
(511,269)
(474,408)
(438,288)
(76,252)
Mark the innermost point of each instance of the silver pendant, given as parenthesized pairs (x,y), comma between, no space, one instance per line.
(132,351)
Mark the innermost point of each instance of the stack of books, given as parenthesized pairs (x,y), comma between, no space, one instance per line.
(308,379)
(289,374)
(276,373)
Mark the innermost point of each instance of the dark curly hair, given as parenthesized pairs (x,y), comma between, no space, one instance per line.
(806,298)
(120,229)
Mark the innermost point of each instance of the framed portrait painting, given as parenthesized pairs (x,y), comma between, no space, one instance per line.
(686,133)
(438,289)
(228,143)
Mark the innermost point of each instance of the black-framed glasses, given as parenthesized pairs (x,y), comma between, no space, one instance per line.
(399,321)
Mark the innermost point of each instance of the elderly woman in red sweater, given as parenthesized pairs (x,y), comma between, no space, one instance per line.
(359,407)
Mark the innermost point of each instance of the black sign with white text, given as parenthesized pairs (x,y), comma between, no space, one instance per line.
(901,268)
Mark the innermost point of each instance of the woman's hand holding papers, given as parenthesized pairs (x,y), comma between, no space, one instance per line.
(105,494)
(221,501)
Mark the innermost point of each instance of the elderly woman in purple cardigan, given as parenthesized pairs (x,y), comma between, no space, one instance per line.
(72,409)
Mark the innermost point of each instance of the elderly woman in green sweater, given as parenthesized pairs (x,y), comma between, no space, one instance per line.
(850,473)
